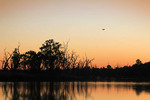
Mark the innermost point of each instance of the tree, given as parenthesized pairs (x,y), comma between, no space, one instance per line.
(138,62)
(5,61)
(15,59)
(23,61)
(52,54)
(71,60)
(88,61)
(33,60)
(109,67)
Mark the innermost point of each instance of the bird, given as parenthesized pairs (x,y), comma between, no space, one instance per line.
(103,29)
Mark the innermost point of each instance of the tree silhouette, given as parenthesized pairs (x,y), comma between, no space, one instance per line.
(5,61)
(138,62)
(15,59)
(52,54)
(109,67)
(23,61)
(33,60)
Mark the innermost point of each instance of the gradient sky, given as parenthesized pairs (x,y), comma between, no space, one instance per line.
(127,24)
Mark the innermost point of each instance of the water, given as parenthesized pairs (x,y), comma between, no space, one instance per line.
(74,91)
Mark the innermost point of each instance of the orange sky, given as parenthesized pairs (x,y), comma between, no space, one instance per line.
(127,24)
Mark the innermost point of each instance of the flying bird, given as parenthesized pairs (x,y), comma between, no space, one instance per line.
(103,29)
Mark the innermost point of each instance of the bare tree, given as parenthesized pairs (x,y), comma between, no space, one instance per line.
(88,61)
(5,61)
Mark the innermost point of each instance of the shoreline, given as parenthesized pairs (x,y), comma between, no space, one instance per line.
(48,76)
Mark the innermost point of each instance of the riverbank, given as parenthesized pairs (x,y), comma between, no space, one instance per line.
(63,76)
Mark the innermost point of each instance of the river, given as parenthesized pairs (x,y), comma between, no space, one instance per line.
(74,91)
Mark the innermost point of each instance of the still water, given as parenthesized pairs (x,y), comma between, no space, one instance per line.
(74,91)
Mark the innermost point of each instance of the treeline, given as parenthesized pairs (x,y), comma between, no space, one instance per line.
(52,55)
(54,62)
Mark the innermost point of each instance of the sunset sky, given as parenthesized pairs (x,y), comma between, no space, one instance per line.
(126,22)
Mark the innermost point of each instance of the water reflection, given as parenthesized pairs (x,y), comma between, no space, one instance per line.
(137,87)
(44,91)
(64,90)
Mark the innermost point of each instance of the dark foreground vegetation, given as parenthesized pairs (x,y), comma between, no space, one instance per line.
(54,62)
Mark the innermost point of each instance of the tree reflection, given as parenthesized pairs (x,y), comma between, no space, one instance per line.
(61,90)
(138,88)
(44,90)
